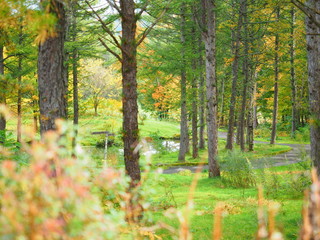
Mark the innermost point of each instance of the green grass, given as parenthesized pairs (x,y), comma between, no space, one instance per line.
(240,221)
(162,128)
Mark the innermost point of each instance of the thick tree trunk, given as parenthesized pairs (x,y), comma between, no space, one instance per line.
(184,135)
(129,90)
(293,76)
(235,67)
(51,82)
(313,48)
(2,97)
(276,78)
(209,37)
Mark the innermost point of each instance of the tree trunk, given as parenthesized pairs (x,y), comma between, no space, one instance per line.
(221,93)
(194,113)
(129,90)
(51,82)
(2,97)
(246,77)
(75,68)
(209,37)
(201,98)
(19,102)
(35,115)
(184,135)
(235,64)
(250,133)
(276,78)
(293,77)
(313,48)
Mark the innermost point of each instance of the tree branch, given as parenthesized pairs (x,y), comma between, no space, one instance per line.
(104,26)
(143,9)
(110,50)
(115,6)
(307,11)
(148,29)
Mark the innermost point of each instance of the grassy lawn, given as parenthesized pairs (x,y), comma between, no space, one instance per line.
(240,207)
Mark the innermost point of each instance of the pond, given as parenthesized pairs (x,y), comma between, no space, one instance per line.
(115,155)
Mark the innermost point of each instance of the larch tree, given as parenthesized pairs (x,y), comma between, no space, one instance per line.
(129,13)
(312,11)
(276,82)
(207,26)
(236,34)
(184,133)
(51,82)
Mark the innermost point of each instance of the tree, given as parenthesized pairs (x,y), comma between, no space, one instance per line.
(312,9)
(208,31)
(51,82)
(129,12)
(184,133)
(98,82)
(276,80)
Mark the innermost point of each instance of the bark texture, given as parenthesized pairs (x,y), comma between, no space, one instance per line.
(201,98)
(235,67)
(129,88)
(293,75)
(184,135)
(194,113)
(209,37)
(246,76)
(2,96)
(276,79)
(51,83)
(313,48)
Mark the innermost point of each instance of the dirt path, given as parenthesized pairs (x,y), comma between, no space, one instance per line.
(297,154)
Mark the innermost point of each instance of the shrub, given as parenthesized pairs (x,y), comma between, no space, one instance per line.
(52,197)
(237,170)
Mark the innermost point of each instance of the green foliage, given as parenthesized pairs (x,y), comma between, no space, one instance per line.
(237,170)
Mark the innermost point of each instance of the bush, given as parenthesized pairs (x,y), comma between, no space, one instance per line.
(237,170)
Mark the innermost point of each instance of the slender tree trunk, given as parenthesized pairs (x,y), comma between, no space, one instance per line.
(235,67)
(19,98)
(51,82)
(75,68)
(19,102)
(276,78)
(201,98)
(293,75)
(246,76)
(221,93)
(209,37)
(184,136)
(35,116)
(129,90)
(250,133)
(313,48)
(194,113)
(3,122)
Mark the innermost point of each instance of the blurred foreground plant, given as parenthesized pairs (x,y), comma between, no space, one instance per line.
(52,197)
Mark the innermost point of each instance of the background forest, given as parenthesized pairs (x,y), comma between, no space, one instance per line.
(222,95)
